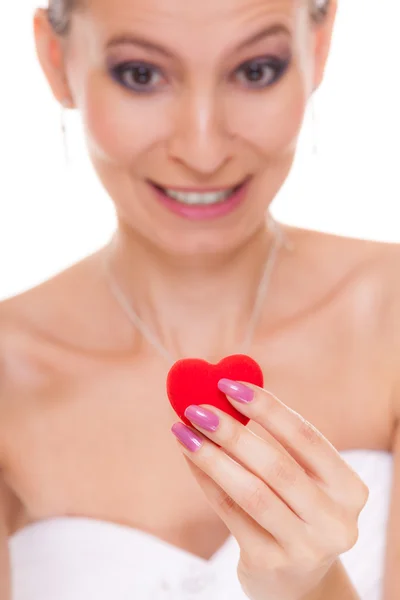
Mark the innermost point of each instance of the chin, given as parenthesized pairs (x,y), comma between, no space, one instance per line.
(204,244)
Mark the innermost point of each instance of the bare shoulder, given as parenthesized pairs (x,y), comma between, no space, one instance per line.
(11,361)
(356,251)
(371,269)
(19,363)
(30,353)
(374,263)
(51,298)
(371,265)
(67,314)
(389,269)
(22,357)
(17,354)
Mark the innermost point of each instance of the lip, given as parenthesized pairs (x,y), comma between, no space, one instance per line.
(204,212)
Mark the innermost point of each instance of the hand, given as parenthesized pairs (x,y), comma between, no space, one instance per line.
(289,499)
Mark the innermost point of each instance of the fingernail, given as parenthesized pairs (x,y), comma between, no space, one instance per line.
(237,391)
(202,417)
(187,437)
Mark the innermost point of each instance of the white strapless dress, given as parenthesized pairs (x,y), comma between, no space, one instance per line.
(74,558)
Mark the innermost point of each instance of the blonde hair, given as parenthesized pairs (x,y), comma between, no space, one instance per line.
(60,12)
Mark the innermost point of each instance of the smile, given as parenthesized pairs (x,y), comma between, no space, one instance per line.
(197,197)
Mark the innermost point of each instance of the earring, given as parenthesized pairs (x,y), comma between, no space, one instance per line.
(65,103)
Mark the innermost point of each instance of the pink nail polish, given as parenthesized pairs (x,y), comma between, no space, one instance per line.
(202,417)
(191,440)
(237,391)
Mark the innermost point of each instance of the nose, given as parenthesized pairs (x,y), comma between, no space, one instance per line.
(199,138)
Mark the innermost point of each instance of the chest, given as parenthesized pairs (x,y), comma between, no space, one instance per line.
(100,444)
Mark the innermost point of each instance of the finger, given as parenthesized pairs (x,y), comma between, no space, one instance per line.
(258,543)
(247,490)
(299,437)
(270,464)
(247,532)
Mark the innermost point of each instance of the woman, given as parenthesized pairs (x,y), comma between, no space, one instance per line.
(192,113)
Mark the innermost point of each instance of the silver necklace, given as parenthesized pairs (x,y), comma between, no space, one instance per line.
(279,240)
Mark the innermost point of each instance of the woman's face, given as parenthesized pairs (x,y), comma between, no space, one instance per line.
(198,94)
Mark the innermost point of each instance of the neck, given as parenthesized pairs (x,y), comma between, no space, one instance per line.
(200,306)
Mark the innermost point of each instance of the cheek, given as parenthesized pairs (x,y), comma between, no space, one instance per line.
(118,128)
(272,122)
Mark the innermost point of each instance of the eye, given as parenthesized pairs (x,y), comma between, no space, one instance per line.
(138,77)
(262,73)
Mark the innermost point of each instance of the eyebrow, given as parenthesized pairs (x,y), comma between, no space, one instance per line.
(129,38)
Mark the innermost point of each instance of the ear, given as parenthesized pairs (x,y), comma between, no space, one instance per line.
(323,37)
(50,50)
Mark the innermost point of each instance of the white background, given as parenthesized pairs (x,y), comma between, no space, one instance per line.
(51,215)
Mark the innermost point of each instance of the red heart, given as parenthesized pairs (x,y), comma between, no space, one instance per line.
(194,381)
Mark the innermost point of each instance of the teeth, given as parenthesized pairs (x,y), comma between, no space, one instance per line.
(195,198)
